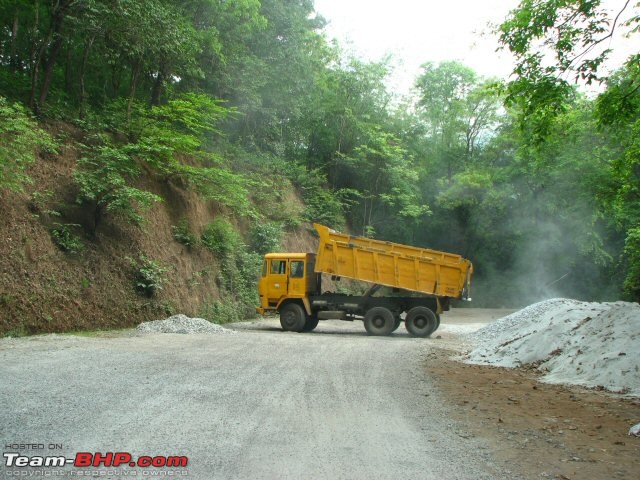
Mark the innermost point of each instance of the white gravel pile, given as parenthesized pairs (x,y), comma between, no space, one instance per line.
(182,324)
(579,343)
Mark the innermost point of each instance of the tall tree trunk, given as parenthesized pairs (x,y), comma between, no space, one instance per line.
(116,74)
(83,68)
(156,92)
(135,72)
(13,59)
(34,57)
(68,74)
(53,56)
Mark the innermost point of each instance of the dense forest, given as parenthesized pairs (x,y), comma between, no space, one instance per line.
(242,102)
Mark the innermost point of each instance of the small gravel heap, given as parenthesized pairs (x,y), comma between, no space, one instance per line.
(182,324)
(580,343)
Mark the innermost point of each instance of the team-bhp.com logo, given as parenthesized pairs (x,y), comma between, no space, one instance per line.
(86,459)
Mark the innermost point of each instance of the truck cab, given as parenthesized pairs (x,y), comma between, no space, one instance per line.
(287,276)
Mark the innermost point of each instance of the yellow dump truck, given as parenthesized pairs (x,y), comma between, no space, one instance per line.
(421,283)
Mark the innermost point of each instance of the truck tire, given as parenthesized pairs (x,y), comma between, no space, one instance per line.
(311,323)
(421,322)
(379,321)
(292,317)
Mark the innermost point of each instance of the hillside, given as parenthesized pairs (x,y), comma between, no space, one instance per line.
(45,289)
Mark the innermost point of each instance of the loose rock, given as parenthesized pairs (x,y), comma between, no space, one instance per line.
(182,324)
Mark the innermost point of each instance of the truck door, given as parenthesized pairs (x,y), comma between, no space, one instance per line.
(297,279)
(277,280)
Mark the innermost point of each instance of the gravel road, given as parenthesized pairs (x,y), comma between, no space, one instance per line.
(262,404)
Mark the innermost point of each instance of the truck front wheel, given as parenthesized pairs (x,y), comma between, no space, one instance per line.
(311,323)
(292,317)
(421,322)
(379,321)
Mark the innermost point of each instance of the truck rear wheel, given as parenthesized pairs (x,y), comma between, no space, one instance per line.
(379,321)
(421,322)
(292,317)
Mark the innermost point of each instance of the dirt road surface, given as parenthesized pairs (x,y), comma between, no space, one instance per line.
(261,404)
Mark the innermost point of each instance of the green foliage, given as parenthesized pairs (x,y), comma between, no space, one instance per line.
(239,269)
(221,238)
(577,34)
(324,206)
(149,276)
(632,253)
(265,237)
(39,200)
(20,331)
(175,140)
(238,282)
(220,312)
(105,178)
(178,127)
(618,110)
(182,234)
(467,188)
(20,139)
(66,239)
(220,185)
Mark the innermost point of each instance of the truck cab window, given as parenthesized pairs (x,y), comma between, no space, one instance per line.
(278,267)
(297,269)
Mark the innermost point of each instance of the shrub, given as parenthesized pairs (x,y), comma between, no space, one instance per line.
(149,276)
(239,270)
(220,312)
(105,179)
(265,237)
(65,239)
(20,137)
(322,204)
(183,235)
(221,238)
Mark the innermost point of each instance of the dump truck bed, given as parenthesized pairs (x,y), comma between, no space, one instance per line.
(391,264)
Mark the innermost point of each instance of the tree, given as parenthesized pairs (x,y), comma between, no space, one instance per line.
(618,110)
(105,178)
(555,42)
(456,108)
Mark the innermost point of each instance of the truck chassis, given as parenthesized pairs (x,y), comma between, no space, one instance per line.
(381,315)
